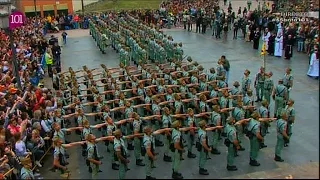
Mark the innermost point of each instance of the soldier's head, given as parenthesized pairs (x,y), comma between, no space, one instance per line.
(57,141)
(135,116)
(86,123)
(166,110)
(236,84)
(147,130)
(127,103)
(202,124)
(177,97)
(203,97)
(280,81)
(264,103)
(180,44)
(90,138)
(176,124)
(239,103)
(255,115)
(284,115)
(190,112)
(189,59)
(26,162)
(230,120)
(246,72)
(117,133)
(212,70)
(109,120)
(288,70)
(290,102)
(216,108)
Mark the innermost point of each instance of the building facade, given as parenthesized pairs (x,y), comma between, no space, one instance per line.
(45,7)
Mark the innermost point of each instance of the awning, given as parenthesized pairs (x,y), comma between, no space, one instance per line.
(28,9)
(48,7)
(62,6)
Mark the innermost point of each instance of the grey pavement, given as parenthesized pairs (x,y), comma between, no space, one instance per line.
(304,146)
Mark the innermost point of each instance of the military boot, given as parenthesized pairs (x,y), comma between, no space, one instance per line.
(130,146)
(279,159)
(167,158)
(241,148)
(203,171)
(254,163)
(191,155)
(232,168)
(262,145)
(158,143)
(150,177)
(215,151)
(176,175)
(115,166)
(139,162)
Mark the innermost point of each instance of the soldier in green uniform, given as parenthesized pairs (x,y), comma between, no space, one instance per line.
(161,54)
(176,147)
(246,82)
(203,147)
(264,113)
(268,87)
(191,134)
(215,121)
(279,94)
(253,133)
(248,101)
(179,52)
(291,113)
(232,143)
(151,48)
(92,156)
(26,170)
(288,81)
(137,128)
(155,122)
(104,43)
(235,92)
(111,126)
(238,114)
(259,84)
(282,135)
(166,123)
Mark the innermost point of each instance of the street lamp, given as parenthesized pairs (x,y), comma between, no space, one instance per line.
(5,25)
(35,8)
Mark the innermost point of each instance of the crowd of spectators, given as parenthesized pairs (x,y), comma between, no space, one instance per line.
(65,22)
(25,128)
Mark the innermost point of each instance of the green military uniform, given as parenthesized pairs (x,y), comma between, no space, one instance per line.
(231,136)
(148,142)
(263,112)
(235,91)
(281,126)
(93,154)
(191,123)
(268,87)
(203,153)
(111,128)
(238,114)
(254,127)
(259,82)
(166,123)
(215,120)
(280,97)
(137,126)
(291,113)
(286,82)
(119,146)
(156,126)
(176,138)
(245,84)
(247,101)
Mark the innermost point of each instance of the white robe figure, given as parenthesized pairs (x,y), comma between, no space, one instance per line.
(265,38)
(278,46)
(280,31)
(314,66)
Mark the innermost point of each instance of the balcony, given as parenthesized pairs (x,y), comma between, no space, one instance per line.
(5,2)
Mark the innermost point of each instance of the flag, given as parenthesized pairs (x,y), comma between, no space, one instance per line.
(263,49)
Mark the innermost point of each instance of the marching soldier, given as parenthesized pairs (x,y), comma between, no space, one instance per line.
(279,94)
(191,134)
(121,151)
(268,87)
(176,147)
(264,113)
(288,81)
(246,82)
(259,84)
(238,114)
(290,119)
(282,135)
(203,146)
(215,122)
(235,92)
(137,129)
(253,133)
(232,143)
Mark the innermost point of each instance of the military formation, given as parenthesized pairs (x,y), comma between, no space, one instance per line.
(145,107)
(133,40)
